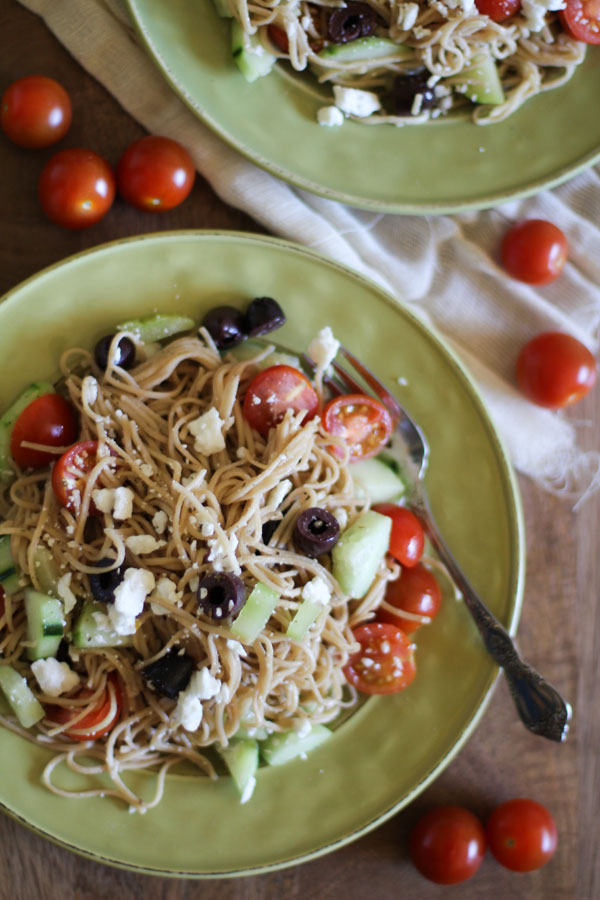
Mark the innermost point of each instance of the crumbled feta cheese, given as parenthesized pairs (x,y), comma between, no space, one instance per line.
(316,591)
(164,590)
(103,499)
(342,517)
(355,102)
(159,521)
(54,677)
(65,593)
(302,727)
(202,686)
(194,480)
(147,470)
(123,503)
(236,647)
(535,12)
(408,14)
(207,529)
(207,432)
(465,6)
(279,492)
(323,348)
(129,599)
(89,390)
(330,116)
(143,543)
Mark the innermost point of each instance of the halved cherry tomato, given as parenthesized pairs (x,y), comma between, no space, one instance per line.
(555,370)
(534,251)
(35,111)
(363,422)
(49,420)
(416,592)
(385,663)
(447,845)
(76,188)
(498,10)
(155,174)
(522,834)
(70,473)
(407,539)
(275,390)
(98,721)
(278,37)
(581,19)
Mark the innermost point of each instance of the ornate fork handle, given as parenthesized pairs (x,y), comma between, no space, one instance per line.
(540,706)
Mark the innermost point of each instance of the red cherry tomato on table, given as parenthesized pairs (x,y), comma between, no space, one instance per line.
(447,845)
(98,721)
(49,420)
(385,663)
(498,10)
(534,251)
(416,592)
(76,188)
(155,174)
(35,112)
(275,390)
(69,475)
(555,370)
(363,422)
(407,539)
(581,19)
(522,835)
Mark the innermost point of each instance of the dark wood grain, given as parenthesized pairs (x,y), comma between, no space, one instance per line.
(558,633)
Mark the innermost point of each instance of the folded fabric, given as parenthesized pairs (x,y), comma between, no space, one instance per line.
(445,267)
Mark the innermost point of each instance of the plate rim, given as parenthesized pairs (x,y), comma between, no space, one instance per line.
(515,516)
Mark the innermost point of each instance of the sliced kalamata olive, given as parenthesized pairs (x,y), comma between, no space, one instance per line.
(221,595)
(226,325)
(263,315)
(125,356)
(62,654)
(347,23)
(268,530)
(104,584)
(316,532)
(171,673)
(407,86)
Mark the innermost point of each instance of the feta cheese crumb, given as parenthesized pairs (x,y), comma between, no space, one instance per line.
(202,686)
(316,591)
(164,590)
(355,102)
(65,593)
(408,14)
(129,599)
(342,517)
(207,432)
(159,521)
(535,12)
(103,499)
(207,529)
(123,503)
(330,116)
(323,348)
(279,493)
(89,390)
(143,543)
(54,677)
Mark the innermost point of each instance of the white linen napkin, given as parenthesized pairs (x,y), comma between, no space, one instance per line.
(444,267)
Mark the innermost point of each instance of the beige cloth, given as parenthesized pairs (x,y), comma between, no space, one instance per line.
(444,267)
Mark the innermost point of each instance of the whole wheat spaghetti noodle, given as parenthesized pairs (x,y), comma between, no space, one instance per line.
(190,514)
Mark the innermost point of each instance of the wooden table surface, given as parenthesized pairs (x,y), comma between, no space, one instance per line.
(559,630)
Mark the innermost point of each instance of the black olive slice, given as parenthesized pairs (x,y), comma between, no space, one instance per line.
(125,357)
(221,595)
(347,23)
(104,584)
(316,532)
(407,86)
(171,673)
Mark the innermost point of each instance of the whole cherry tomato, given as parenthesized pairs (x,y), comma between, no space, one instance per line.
(447,845)
(49,420)
(417,593)
(98,721)
(498,10)
(534,251)
(407,539)
(555,370)
(581,19)
(275,390)
(155,174)
(522,835)
(35,111)
(385,663)
(363,422)
(76,188)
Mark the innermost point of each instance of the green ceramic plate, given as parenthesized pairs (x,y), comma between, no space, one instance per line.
(444,166)
(392,747)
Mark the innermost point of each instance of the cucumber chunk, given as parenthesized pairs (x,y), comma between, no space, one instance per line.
(281,748)
(482,82)
(255,613)
(250,56)
(241,758)
(20,697)
(359,551)
(377,480)
(307,613)
(92,629)
(45,624)
(156,328)
(8,419)
(46,569)
(366,48)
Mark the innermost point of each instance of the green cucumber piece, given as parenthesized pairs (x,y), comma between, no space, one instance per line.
(156,328)
(482,82)
(255,613)
(91,631)
(241,758)
(26,707)
(366,48)
(378,480)
(46,569)
(45,624)
(250,56)
(307,613)
(359,551)
(280,748)
(10,581)
(248,349)
(8,419)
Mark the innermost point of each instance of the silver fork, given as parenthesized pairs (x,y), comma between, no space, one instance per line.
(540,706)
